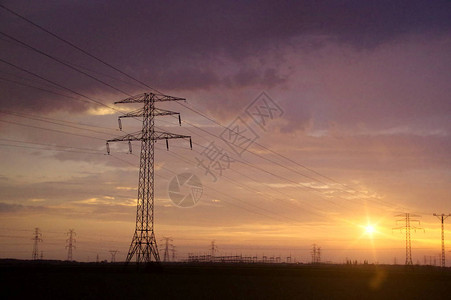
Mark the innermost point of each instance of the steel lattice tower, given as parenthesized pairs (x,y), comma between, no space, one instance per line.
(316,254)
(144,245)
(113,255)
(406,218)
(166,248)
(442,218)
(70,244)
(213,249)
(173,253)
(37,239)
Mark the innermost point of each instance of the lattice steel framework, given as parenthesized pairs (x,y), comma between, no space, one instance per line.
(167,243)
(442,218)
(37,239)
(70,243)
(407,220)
(144,245)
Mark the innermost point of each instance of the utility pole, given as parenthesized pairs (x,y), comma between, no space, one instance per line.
(70,243)
(37,239)
(113,255)
(442,218)
(144,245)
(166,248)
(406,219)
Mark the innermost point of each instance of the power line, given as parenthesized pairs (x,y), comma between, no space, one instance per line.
(61,121)
(56,84)
(63,87)
(37,148)
(48,129)
(51,145)
(272,173)
(276,153)
(146,85)
(237,199)
(273,215)
(63,63)
(21,115)
(38,88)
(308,188)
(279,177)
(76,47)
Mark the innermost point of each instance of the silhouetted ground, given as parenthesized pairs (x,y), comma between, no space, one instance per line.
(63,280)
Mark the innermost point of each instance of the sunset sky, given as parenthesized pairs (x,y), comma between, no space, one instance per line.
(360,130)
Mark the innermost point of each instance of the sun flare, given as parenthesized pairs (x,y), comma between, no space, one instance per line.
(370,229)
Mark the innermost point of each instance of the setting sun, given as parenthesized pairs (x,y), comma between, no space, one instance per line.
(370,229)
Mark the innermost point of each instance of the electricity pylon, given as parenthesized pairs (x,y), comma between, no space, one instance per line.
(37,239)
(442,218)
(70,243)
(173,253)
(316,254)
(166,248)
(213,250)
(406,218)
(144,245)
(113,255)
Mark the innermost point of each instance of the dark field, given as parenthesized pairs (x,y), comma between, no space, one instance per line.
(60,280)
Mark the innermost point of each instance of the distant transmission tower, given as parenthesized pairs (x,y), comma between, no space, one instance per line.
(166,248)
(442,218)
(113,255)
(70,244)
(144,245)
(37,239)
(406,219)
(173,252)
(213,249)
(316,254)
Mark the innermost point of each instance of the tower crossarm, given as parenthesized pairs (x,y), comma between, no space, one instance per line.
(137,136)
(140,113)
(167,135)
(146,96)
(159,135)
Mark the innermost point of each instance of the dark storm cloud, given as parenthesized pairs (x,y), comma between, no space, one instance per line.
(175,45)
